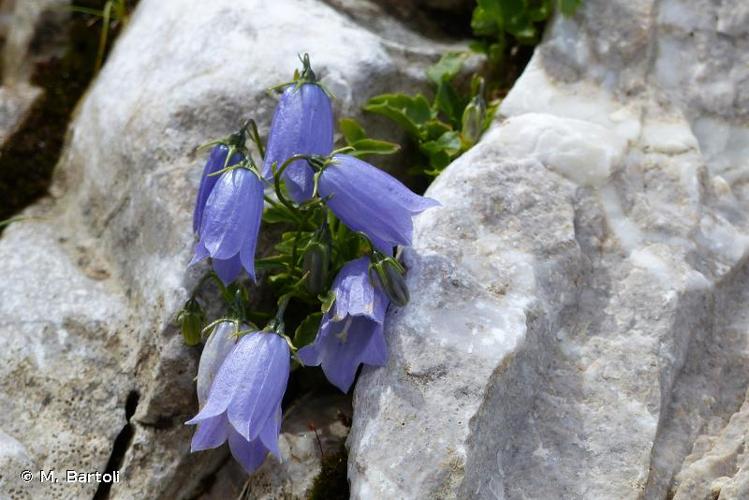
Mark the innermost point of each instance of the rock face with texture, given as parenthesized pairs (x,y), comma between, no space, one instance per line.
(315,427)
(578,327)
(93,370)
(32,32)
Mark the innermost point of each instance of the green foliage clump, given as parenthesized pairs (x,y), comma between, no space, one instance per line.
(496,23)
(445,127)
(29,155)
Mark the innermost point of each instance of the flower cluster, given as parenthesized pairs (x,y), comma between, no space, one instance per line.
(340,219)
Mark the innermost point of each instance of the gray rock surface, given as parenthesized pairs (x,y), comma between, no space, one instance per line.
(32,32)
(578,325)
(93,283)
(313,428)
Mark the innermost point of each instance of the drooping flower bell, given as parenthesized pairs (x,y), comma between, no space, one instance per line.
(231,222)
(243,404)
(220,343)
(351,332)
(302,124)
(369,200)
(216,161)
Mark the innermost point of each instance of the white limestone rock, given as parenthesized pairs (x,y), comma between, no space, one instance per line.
(93,284)
(577,325)
(314,428)
(33,32)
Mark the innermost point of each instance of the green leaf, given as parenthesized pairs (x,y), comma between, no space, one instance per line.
(407,111)
(272,262)
(525,33)
(277,214)
(482,23)
(307,330)
(434,129)
(487,17)
(449,102)
(351,130)
(450,142)
(443,150)
(447,67)
(479,46)
(286,245)
(496,52)
(541,12)
(512,12)
(366,147)
(569,7)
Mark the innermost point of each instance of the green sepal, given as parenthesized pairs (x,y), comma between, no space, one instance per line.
(327,301)
(307,330)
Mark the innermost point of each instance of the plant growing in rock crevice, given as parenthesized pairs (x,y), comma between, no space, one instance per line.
(28,157)
(340,217)
(451,122)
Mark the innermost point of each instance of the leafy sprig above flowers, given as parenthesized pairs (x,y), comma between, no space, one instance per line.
(499,23)
(445,126)
(336,220)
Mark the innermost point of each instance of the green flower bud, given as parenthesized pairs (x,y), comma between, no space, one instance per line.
(474,114)
(316,265)
(391,276)
(191,320)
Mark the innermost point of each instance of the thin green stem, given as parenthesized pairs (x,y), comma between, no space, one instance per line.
(84,10)
(270,201)
(103,35)
(256,138)
(212,324)
(295,246)
(220,284)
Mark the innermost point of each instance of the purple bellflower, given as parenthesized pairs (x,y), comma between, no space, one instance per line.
(230,224)
(243,404)
(216,161)
(369,200)
(350,333)
(302,124)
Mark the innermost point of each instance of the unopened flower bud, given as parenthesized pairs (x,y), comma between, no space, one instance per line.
(474,114)
(191,320)
(390,274)
(316,266)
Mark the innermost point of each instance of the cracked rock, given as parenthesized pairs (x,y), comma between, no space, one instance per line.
(579,329)
(92,285)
